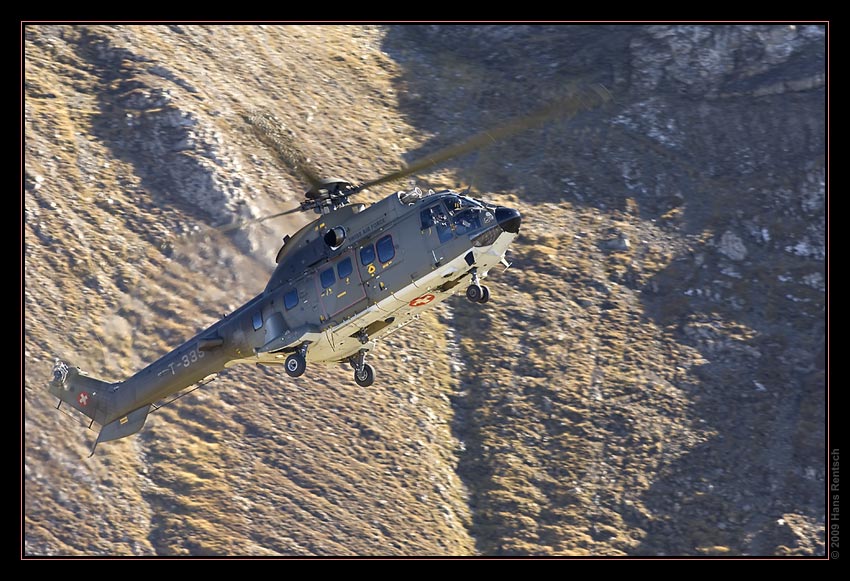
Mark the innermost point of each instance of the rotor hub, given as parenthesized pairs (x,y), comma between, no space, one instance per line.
(328,189)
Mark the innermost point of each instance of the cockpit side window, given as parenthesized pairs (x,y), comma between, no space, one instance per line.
(427,220)
(435,216)
(444,227)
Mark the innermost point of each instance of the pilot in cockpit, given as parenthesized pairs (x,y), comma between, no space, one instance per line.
(466,216)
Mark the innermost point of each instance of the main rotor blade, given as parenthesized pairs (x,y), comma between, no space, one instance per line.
(274,134)
(565,108)
(238,225)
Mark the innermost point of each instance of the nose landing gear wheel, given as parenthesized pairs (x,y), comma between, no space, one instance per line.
(295,365)
(365,376)
(485,295)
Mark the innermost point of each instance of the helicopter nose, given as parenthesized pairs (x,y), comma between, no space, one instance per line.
(509,219)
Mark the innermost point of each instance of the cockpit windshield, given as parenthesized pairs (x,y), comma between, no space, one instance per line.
(460,203)
(468,215)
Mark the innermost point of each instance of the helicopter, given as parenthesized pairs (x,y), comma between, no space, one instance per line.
(343,282)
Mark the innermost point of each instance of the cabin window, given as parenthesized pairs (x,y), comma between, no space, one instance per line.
(386,250)
(367,255)
(290,299)
(327,278)
(257,320)
(344,268)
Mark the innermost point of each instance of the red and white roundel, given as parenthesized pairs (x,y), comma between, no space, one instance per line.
(422,301)
(83,399)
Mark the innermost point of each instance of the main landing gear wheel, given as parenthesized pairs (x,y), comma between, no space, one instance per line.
(474,292)
(295,365)
(365,376)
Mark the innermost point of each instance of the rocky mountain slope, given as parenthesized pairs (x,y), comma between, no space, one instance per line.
(648,380)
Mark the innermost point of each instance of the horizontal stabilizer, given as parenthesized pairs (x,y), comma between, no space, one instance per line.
(122,427)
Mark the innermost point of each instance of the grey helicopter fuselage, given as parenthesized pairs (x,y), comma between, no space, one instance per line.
(347,279)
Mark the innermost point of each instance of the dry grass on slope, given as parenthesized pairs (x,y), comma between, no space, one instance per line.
(254,463)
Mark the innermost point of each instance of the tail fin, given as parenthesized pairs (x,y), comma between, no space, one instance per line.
(90,396)
(95,399)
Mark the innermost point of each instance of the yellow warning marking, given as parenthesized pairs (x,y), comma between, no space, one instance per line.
(371,269)
(342,294)
(123,420)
